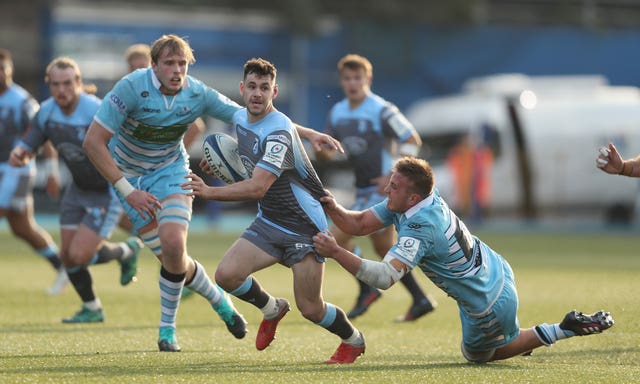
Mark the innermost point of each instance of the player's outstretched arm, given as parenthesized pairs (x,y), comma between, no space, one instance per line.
(320,141)
(357,223)
(610,161)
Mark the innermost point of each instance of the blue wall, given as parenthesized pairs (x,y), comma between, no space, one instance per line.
(410,62)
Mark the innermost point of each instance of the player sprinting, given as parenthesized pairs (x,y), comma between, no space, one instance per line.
(373,132)
(135,141)
(17,108)
(90,209)
(287,189)
(432,238)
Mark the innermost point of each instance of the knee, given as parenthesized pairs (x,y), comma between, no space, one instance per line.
(227,279)
(173,245)
(76,257)
(311,311)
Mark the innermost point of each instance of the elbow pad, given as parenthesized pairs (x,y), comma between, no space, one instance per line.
(379,274)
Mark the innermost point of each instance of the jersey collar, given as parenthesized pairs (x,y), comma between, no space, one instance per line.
(413,210)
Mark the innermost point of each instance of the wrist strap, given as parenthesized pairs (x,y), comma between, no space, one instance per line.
(123,186)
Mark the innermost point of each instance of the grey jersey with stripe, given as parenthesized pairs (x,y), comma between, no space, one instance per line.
(291,204)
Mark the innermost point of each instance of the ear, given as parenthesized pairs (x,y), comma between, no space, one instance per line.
(275,91)
(242,88)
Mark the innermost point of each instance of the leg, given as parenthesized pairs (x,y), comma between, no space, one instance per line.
(78,250)
(307,287)
(382,241)
(24,226)
(574,324)
(367,294)
(234,275)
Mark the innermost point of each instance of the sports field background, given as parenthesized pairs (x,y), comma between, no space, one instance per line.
(555,272)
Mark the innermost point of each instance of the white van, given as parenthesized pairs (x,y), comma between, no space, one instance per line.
(546,132)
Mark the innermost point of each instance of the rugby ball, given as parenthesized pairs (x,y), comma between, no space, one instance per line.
(221,153)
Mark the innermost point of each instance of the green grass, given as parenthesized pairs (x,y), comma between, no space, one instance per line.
(554,273)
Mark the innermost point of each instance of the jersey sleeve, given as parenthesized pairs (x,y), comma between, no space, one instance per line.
(414,241)
(35,136)
(28,111)
(278,152)
(395,124)
(382,213)
(116,105)
(219,106)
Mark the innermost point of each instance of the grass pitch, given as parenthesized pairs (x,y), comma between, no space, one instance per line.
(554,274)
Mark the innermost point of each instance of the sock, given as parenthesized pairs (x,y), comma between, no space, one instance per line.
(80,278)
(270,311)
(336,322)
(549,334)
(51,254)
(94,305)
(109,251)
(202,284)
(251,292)
(355,339)
(170,290)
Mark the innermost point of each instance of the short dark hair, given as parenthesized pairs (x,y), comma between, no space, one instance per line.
(260,67)
(419,172)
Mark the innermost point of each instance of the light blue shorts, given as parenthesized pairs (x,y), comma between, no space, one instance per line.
(161,183)
(16,186)
(482,335)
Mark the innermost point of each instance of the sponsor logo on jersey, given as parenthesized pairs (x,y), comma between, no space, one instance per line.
(184,112)
(150,110)
(117,102)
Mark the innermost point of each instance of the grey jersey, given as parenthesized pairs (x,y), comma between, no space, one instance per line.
(291,204)
(366,132)
(67,134)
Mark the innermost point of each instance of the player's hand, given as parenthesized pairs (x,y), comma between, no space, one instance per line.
(320,141)
(144,203)
(19,157)
(609,159)
(328,201)
(196,186)
(206,168)
(325,244)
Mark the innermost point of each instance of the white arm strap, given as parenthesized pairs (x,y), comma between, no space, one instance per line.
(379,274)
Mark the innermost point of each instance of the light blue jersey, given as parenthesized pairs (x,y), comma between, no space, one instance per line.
(148,126)
(432,237)
(367,133)
(17,108)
